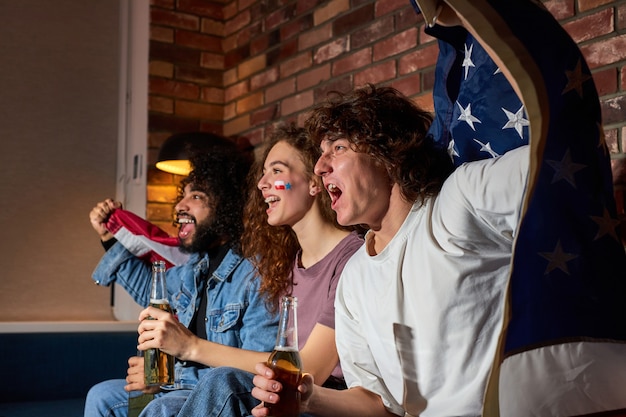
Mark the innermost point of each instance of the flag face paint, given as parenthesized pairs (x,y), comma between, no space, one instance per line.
(280,185)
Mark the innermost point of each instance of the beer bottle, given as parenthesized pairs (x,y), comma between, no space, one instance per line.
(285,361)
(138,400)
(158,366)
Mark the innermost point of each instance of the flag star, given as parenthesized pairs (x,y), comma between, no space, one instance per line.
(606,225)
(575,79)
(565,169)
(516,121)
(557,259)
(451,151)
(466,115)
(467,61)
(497,71)
(486,147)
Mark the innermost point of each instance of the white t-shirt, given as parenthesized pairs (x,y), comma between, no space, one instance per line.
(444,275)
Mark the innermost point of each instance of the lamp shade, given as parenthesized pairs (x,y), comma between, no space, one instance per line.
(175,152)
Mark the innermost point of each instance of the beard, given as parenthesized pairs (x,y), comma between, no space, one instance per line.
(205,238)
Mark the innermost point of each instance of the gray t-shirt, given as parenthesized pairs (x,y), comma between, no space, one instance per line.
(315,288)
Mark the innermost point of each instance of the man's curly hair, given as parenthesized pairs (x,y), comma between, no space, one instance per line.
(219,170)
(391,129)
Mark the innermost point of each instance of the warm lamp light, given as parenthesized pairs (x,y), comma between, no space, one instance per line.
(176,150)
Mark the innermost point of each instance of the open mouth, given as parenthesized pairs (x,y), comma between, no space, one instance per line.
(187,225)
(271,201)
(334,193)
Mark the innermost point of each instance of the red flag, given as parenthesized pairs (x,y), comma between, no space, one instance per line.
(144,239)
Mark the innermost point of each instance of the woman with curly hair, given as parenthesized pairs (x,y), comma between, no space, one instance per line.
(292,237)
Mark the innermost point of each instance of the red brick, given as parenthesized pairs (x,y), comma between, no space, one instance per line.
(621,17)
(230,111)
(296,26)
(280,90)
(295,103)
(264,115)
(396,44)
(352,62)
(235,91)
(171,88)
(613,110)
(161,193)
(251,66)
(610,138)
(584,5)
(161,104)
(198,41)
(305,6)
(250,102)
(212,61)
(206,77)
(264,78)
(162,34)
(295,64)
(376,74)
(407,17)
(606,81)
(172,53)
(591,26)
(161,69)
(165,4)
(315,37)
(173,19)
(201,7)
(409,86)
(278,17)
(212,95)
(285,50)
(195,110)
(560,9)
(237,23)
(230,10)
(605,52)
(354,19)
(329,10)
(212,27)
(313,77)
(333,49)
(343,84)
(376,30)
(387,6)
(419,59)
(622,82)
(158,121)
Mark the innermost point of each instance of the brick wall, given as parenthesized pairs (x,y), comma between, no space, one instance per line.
(238,67)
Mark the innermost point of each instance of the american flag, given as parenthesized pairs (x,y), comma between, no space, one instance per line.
(567,289)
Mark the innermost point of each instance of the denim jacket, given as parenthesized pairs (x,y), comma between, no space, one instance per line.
(236,313)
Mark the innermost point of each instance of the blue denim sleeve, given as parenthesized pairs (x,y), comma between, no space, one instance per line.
(120,266)
(259,325)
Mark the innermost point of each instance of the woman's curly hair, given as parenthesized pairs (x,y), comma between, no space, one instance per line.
(220,171)
(273,249)
(391,129)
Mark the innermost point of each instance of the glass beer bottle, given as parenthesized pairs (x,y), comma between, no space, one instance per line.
(158,366)
(285,361)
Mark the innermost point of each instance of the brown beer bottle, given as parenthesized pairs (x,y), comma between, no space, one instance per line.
(285,361)
(158,366)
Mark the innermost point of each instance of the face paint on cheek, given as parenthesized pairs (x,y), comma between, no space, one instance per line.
(280,185)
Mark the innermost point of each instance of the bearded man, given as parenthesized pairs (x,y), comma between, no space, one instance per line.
(214,294)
